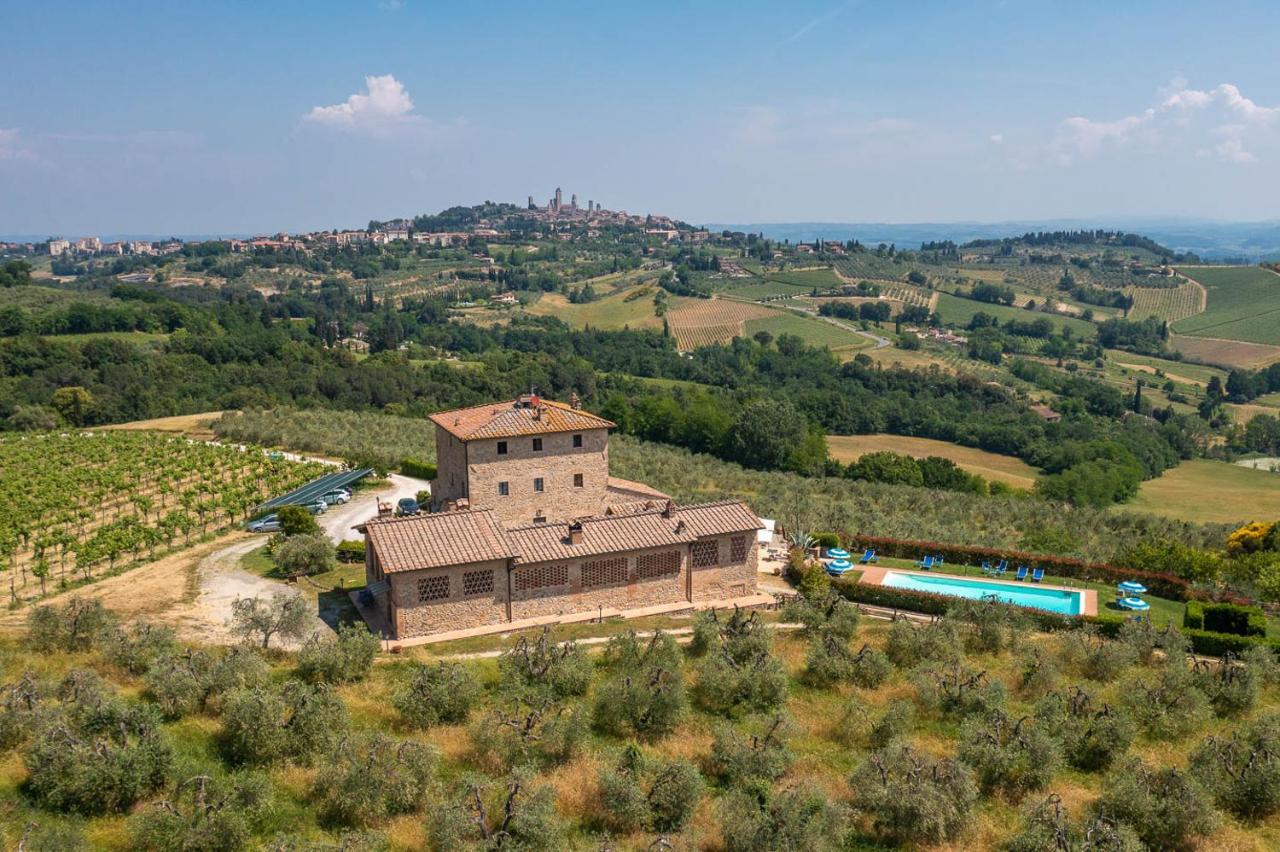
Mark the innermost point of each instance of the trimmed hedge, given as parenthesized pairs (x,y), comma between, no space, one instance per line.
(1225,618)
(351,550)
(1160,584)
(417,468)
(1204,642)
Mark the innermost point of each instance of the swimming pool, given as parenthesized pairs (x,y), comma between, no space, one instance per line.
(1038,597)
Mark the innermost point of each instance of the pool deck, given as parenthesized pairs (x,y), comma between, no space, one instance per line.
(875,574)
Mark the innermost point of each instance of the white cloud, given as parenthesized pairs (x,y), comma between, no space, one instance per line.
(391,5)
(1181,114)
(11,146)
(996,138)
(383,106)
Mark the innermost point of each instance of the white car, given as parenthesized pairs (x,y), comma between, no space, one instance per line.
(337,497)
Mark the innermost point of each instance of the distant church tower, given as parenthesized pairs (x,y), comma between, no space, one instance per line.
(530,202)
(559,199)
(573,201)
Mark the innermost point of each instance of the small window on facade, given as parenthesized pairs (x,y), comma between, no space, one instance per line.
(577,440)
(537,445)
(504,489)
(738,549)
(477,582)
(538,484)
(433,588)
(706,554)
(502,448)
(577,480)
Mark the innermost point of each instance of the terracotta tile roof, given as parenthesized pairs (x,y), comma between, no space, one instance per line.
(719,518)
(436,540)
(550,542)
(628,488)
(510,419)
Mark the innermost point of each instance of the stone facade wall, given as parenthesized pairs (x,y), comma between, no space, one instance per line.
(416,617)
(573,597)
(556,463)
(727,579)
(451,469)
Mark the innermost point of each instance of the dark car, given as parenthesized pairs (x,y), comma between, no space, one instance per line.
(408,506)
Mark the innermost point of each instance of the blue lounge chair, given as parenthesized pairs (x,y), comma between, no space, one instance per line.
(1022,573)
(869,556)
(926,563)
(987,567)
(937,561)
(1037,575)
(1002,567)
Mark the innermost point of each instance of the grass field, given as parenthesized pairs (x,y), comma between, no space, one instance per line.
(814,332)
(1228,353)
(610,312)
(821,278)
(1205,491)
(953,309)
(1243,304)
(136,337)
(767,289)
(1182,372)
(992,466)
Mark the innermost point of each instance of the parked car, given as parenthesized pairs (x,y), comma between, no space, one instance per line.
(408,506)
(265,524)
(337,497)
(316,507)
(275,455)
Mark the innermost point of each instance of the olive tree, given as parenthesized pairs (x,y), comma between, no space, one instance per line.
(759,818)
(1242,771)
(643,793)
(1095,656)
(1166,703)
(740,673)
(544,669)
(829,612)
(303,555)
(759,753)
(204,814)
(913,799)
(958,691)
(539,734)
(81,624)
(1166,808)
(254,620)
(295,721)
(367,780)
(345,658)
(1093,735)
(909,644)
(197,679)
(514,815)
(644,692)
(1008,757)
(440,694)
(1047,827)
(1231,686)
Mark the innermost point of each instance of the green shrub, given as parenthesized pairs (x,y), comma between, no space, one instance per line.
(532,735)
(740,672)
(913,799)
(350,550)
(20,704)
(191,680)
(1242,771)
(988,626)
(81,624)
(830,612)
(1265,665)
(1048,827)
(440,694)
(645,689)
(1166,808)
(831,660)
(826,540)
(1093,735)
(544,669)
(1166,704)
(909,644)
(304,554)
(1145,639)
(758,819)
(295,520)
(296,721)
(97,753)
(344,659)
(1008,757)
(514,814)
(1193,615)
(418,468)
(1095,657)
(204,814)
(654,795)
(1231,687)
(1039,672)
(759,754)
(368,780)
(958,691)
(135,648)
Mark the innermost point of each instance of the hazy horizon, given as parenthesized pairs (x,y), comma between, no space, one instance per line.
(310,116)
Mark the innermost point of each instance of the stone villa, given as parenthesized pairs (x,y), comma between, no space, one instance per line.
(526,523)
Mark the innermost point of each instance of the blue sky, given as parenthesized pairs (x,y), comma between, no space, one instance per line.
(239,117)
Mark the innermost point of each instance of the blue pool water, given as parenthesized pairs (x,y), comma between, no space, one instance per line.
(1038,597)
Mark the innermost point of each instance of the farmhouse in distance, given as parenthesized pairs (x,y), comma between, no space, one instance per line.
(527,524)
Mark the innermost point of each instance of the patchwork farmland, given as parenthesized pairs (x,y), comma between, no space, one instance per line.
(1168,303)
(1243,303)
(708,322)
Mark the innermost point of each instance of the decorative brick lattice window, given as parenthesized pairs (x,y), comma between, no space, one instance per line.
(706,554)
(664,564)
(433,588)
(477,582)
(738,549)
(604,572)
(540,577)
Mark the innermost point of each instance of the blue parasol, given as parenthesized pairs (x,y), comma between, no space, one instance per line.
(839,566)
(1135,604)
(1132,587)
(838,553)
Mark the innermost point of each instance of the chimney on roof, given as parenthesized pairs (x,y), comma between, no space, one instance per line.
(574,402)
(668,510)
(681,527)
(575,532)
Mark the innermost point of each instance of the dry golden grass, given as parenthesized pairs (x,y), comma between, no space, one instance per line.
(992,466)
(1227,353)
(192,425)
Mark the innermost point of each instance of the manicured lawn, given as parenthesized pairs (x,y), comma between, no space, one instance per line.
(991,466)
(1244,304)
(1206,491)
